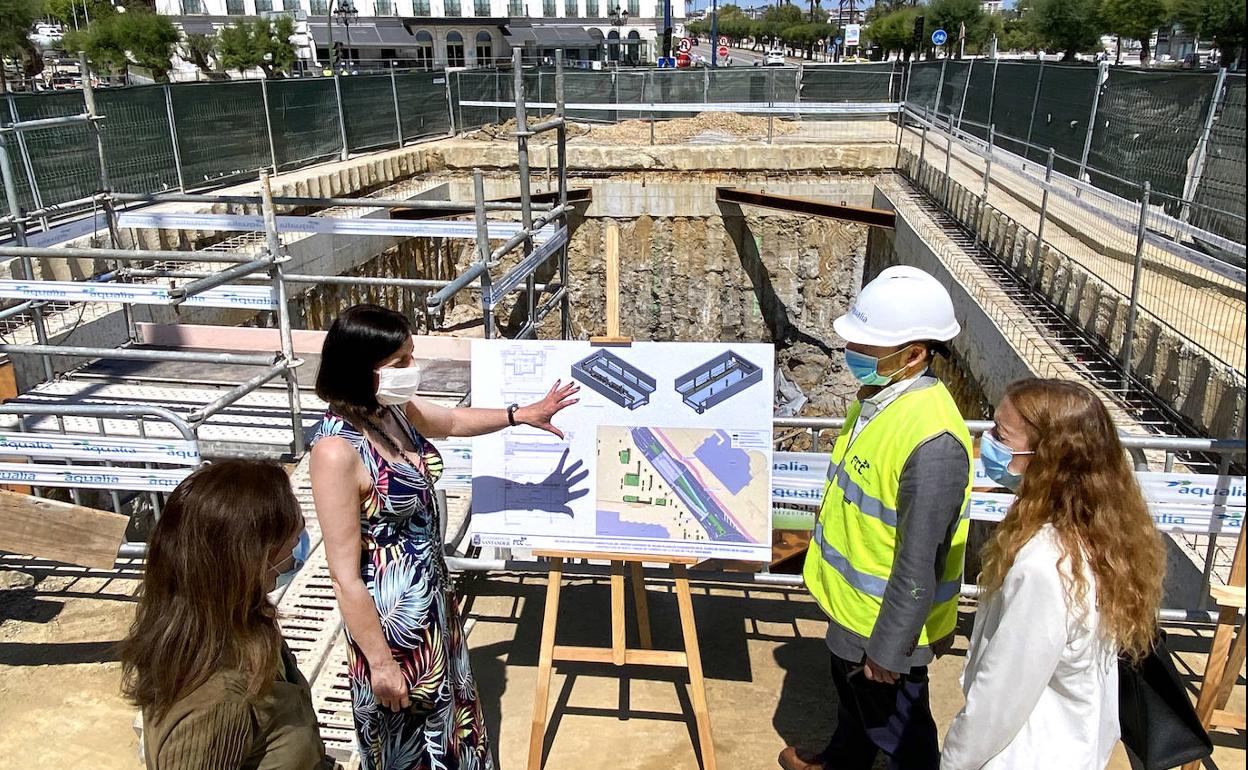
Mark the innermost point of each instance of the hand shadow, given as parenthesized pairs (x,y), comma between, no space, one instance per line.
(553,494)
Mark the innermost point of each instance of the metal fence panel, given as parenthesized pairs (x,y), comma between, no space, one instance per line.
(368,109)
(221,130)
(63,159)
(138,148)
(848,82)
(1061,116)
(1219,198)
(422,104)
(304,114)
(924,83)
(1147,127)
(1012,99)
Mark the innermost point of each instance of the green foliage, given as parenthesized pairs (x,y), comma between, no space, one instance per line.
(1018,34)
(1069,26)
(67,11)
(260,43)
(895,31)
(199,49)
(16,19)
(1219,20)
(1134,19)
(137,37)
(949,15)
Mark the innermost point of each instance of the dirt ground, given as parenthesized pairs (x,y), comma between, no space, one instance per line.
(762,650)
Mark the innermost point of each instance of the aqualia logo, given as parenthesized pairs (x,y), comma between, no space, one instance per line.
(1193,489)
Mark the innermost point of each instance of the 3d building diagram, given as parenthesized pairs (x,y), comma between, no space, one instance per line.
(716,381)
(611,376)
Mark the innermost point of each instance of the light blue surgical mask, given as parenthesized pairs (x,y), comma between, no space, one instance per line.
(996,458)
(865,368)
(299,557)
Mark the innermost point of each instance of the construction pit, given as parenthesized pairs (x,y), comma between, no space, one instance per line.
(696,264)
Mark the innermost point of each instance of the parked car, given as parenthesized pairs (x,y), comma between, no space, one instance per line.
(774,58)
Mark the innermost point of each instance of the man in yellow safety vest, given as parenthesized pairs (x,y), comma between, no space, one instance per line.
(885,562)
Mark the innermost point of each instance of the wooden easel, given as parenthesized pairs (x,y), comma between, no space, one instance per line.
(1226,655)
(619,654)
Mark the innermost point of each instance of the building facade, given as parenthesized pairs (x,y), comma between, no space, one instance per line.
(435,34)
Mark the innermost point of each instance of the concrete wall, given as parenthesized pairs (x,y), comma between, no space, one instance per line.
(1198,388)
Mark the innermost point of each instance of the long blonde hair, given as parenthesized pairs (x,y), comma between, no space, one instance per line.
(1079,481)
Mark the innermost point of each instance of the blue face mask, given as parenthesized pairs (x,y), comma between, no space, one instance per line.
(865,368)
(996,458)
(299,557)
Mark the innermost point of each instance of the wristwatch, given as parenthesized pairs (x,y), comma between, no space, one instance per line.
(511,414)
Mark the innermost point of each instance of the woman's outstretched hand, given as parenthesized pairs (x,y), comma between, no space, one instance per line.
(539,414)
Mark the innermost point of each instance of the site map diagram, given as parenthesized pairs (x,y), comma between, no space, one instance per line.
(668,451)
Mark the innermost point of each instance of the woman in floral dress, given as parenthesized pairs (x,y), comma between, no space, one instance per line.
(373,469)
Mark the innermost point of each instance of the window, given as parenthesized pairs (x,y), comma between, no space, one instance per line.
(548,8)
(634,9)
(318,7)
(264,6)
(480,7)
(235,7)
(192,7)
(515,9)
(383,7)
(485,48)
(420,7)
(424,50)
(458,6)
(570,9)
(454,49)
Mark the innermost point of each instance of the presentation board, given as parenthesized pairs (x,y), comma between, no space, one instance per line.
(668,452)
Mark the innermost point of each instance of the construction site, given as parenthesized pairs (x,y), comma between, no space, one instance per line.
(171,257)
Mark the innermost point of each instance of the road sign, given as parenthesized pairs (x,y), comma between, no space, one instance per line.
(837,41)
(939,37)
(667,62)
(723,41)
(723,51)
(853,34)
(685,45)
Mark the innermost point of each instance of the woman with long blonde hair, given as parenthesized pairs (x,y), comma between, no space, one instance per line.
(1071,579)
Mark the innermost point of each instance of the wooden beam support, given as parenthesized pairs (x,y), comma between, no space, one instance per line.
(452,209)
(60,531)
(862,215)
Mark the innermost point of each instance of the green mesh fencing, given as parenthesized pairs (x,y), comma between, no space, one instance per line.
(423,108)
(368,109)
(591,88)
(1218,205)
(976,115)
(138,148)
(221,130)
(21,180)
(1062,114)
(63,160)
(842,83)
(1147,128)
(479,86)
(1012,98)
(304,114)
(739,84)
(923,84)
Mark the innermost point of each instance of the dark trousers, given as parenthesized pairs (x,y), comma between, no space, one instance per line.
(873,717)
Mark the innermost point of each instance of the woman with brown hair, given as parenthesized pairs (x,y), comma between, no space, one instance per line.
(1071,579)
(413,696)
(205,659)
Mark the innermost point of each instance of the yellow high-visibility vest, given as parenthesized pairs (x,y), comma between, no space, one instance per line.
(851,554)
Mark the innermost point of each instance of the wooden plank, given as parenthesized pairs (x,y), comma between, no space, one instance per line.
(545,661)
(639,601)
(868,216)
(1228,596)
(670,658)
(697,686)
(60,531)
(618,643)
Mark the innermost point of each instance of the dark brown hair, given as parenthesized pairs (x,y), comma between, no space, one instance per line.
(203,606)
(1079,481)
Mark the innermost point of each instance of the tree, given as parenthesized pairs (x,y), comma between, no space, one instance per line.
(895,31)
(137,37)
(16,19)
(199,49)
(247,45)
(77,13)
(950,15)
(1219,20)
(1069,26)
(1134,19)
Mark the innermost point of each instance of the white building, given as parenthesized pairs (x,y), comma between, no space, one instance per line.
(452,33)
(993,6)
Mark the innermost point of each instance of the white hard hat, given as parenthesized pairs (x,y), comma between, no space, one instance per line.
(903,304)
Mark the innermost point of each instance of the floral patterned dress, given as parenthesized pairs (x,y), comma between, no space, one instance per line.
(444,728)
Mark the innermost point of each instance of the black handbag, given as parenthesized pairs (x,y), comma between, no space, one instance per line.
(1159,725)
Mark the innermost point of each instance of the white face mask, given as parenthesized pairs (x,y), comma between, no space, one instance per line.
(397,386)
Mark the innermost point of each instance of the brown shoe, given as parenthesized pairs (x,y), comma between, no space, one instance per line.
(793,758)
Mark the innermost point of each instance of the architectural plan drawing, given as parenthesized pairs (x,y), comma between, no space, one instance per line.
(645,467)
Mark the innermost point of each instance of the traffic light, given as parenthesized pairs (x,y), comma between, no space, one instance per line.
(918,32)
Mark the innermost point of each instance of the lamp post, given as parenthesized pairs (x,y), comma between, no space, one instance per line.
(346,13)
(619,20)
(714,34)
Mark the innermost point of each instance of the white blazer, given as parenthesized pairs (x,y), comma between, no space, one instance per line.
(1041,684)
